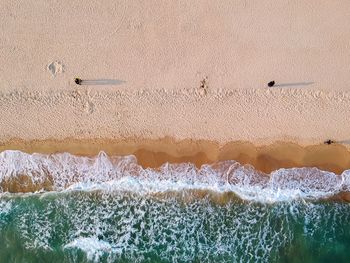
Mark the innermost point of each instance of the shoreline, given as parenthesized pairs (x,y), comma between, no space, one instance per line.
(153,153)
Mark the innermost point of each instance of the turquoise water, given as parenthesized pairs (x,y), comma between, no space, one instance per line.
(111,210)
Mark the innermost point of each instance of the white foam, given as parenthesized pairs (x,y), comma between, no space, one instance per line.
(5,206)
(92,247)
(72,173)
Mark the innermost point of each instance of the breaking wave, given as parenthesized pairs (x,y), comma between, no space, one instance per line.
(65,208)
(22,173)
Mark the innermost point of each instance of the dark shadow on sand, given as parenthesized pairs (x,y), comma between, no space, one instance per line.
(294,84)
(344,142)
(102,82)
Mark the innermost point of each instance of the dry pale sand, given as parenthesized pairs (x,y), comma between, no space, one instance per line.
(188,70)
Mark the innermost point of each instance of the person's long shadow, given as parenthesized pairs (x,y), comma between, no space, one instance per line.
(102,82)
(294,84)
(344,142)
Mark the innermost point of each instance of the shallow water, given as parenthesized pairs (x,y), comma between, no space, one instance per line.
(112,210)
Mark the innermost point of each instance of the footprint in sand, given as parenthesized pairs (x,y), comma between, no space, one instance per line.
(88,104)
(89,107)
(203,88)
(55,68)
(85,100)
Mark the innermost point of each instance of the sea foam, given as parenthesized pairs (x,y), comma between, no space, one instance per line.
(92,247)
(22,172)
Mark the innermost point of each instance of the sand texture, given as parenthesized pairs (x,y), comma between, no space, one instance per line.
(183,69)
(259,116)
(175,44)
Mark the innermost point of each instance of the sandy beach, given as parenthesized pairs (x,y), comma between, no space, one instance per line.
(174,131)
(192,72)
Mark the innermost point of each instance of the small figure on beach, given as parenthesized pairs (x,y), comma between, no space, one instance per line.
(329,142)
(271,83)
(78,81)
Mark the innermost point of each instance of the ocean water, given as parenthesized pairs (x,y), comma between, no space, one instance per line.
(64,208)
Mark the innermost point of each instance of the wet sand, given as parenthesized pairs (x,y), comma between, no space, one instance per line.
(153,153)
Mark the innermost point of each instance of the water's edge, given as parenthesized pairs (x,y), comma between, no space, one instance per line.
(22,173)
(66,208)
(265,155)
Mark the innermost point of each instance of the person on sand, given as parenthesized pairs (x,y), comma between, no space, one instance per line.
(78,81)
(271,83)
(329,142)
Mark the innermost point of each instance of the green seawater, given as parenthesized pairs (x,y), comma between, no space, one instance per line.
(119,226)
